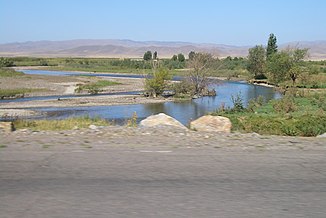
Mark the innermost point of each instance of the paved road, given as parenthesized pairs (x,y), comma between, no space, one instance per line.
(162,182)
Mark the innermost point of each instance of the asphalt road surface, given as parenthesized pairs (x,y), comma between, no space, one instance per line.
(162,182)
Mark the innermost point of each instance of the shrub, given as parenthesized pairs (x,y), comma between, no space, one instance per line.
(183,88)
(253,104)
(132,122)
(237,101)
(94,88)
(156,84)
(6,62)
(284,105)
(311,125)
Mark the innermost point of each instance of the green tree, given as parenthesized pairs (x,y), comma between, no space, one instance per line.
(279,65)
(191,55)
(181,57)
(200,65)
(286,65)
(156,83)
(6,62)
(257,61)
(174,58)
(297,57)
(147,56)
(155,55)
(271,46)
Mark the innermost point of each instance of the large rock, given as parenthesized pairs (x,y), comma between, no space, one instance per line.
(161,120)
(212,124)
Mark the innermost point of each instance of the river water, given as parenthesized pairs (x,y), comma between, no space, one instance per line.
(183,111)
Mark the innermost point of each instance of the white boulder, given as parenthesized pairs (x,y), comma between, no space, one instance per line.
(211,123)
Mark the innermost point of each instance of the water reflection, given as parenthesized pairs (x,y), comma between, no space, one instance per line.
(184,111)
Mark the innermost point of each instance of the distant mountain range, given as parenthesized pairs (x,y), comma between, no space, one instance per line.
(135,49)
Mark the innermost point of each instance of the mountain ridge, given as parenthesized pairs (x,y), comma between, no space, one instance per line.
(125,48)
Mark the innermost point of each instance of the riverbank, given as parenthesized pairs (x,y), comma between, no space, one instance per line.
(64,86)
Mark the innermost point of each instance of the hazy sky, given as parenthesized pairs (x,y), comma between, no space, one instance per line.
(234,22)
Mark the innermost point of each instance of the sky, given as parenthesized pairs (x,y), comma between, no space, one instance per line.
(231,22)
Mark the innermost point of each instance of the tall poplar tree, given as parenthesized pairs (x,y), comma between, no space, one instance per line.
(271,46)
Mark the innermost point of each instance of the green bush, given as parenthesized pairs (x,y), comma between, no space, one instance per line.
(6,62)
(284,105)
(237,101)
(311,125)
(156,84)
(94,88)
(182,89)
(253,104)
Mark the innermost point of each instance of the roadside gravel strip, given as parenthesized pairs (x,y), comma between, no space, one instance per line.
(102,137)
(160,172)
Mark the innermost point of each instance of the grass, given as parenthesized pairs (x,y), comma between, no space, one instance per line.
(3,146)
(104,83)
(9,93)
(57,125)
(96,87)
(4,72)
(307,117)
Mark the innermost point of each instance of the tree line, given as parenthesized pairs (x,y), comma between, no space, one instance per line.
(274,65)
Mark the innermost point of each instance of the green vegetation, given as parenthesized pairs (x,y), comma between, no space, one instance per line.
(57,125)
(4,72)
(96,87)
(5,62)
(257,61)
(271,46)
(148,56)
(286,65)
(297,114)
(10,93)
(156,83)
(132,122)
(279,67)
(200,66)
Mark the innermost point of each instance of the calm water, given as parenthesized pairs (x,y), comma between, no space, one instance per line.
(182,111)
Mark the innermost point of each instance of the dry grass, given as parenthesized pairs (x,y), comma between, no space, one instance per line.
(57,125)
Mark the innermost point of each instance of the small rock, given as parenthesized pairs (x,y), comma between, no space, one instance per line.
(322,135)
(254,134)
(211,123)
(93,127)
(161,120)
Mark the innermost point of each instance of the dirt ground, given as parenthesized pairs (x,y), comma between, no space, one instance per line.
(101,137)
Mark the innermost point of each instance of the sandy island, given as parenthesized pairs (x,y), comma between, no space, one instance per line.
(66,85)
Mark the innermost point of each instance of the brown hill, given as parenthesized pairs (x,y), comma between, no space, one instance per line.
(136,49)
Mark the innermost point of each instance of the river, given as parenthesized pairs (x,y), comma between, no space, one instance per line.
(184,111)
